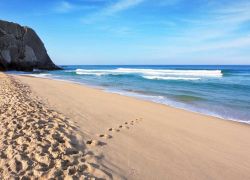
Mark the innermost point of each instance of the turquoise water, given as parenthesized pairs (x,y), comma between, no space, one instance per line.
(221,91)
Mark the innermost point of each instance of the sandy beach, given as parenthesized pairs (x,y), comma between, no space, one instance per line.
(53,128)
(37,142)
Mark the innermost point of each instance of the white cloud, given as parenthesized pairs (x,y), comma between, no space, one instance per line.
(214,33)
(217,34)
(64,7)
(67,7)
(220,25)
(121,6)
(112,9)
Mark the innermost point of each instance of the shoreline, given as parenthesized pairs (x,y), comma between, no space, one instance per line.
(127,138)
(142,99)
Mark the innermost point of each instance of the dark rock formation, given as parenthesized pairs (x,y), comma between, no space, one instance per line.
(21,49)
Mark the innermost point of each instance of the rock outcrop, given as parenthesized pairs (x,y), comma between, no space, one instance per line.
(21,49)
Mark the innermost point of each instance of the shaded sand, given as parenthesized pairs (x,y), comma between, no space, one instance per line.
(135,139)
(38,142)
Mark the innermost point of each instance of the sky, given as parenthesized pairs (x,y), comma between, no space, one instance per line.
(137,31)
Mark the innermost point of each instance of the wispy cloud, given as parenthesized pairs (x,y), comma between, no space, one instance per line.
(214,30)
(224,22)
(67,6)
(64,7)
(235,14)
(219,32)
(119,6)
(122,31)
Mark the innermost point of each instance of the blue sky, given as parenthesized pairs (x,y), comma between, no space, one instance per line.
(138,31)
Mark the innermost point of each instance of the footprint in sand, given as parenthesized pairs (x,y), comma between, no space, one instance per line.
(106,136)
(95,143)
(127,125)
(138,119)
(92,142)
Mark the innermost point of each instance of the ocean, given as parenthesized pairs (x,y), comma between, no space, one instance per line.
(220,91)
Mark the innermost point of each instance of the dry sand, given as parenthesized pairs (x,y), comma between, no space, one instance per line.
(36,142)
(127,138)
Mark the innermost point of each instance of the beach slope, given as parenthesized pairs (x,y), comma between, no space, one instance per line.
(136,139)
(37,142)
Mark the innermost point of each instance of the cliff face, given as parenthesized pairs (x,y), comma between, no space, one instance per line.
(22,49)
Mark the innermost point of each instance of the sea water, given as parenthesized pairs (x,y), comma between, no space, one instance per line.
(221,91)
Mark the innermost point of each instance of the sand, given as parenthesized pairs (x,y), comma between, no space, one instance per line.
(126,138)
(38,142)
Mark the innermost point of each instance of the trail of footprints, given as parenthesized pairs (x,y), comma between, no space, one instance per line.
(36,142)
(125,126)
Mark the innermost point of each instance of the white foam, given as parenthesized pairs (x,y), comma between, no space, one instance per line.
(208,73)
(161,73)
(91,73)
(170,78)
(153,98)
(39,75)
(180,105)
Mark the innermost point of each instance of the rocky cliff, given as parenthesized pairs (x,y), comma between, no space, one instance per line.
(22,49)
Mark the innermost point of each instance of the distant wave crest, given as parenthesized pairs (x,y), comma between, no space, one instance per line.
(170,78)
(163,74)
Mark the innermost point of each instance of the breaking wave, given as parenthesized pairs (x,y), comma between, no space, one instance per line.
(170,78)
(158,74)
